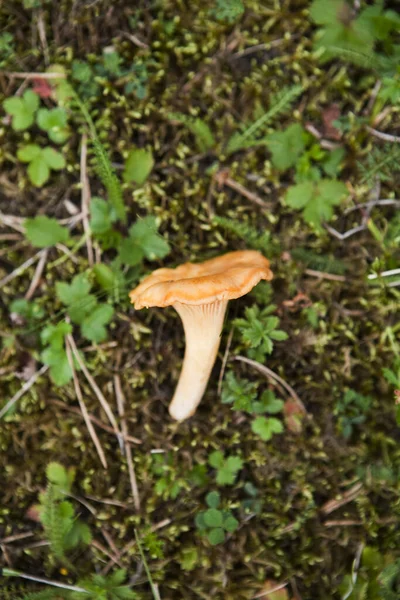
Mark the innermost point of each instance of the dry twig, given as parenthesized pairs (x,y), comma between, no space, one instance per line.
(95,388)
(83,408)
(121,409)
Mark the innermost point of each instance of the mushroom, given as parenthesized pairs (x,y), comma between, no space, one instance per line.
(200,294)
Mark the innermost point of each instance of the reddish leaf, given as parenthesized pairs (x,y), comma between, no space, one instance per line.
(42,88)
(329,115)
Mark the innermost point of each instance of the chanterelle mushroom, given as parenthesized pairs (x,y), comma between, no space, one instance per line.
(200,294)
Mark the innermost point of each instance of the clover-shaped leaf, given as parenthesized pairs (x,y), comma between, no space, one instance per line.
(41,162)
(22,110)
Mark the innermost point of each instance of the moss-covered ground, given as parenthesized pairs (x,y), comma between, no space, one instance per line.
(327,487)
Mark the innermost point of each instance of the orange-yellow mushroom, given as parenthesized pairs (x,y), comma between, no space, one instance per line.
(200,294)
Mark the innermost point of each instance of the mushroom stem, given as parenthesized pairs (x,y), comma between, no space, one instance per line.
(203,325)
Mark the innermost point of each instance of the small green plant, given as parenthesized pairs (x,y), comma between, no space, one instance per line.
(316,199)
(62,527)
(287,146)
(43,232)
(22,110)
(258,331)
(29,311)
(109,587)
(54,354)
(41,162)
(54,123)
(351,411)
(6,48)
(259,240)
(253,503)
(377,577)
(227,467)
(84,309)
(143,242)
(214,522)
(202,133)
(228,11)
(248,136)
(168,484)
(138,165)
(243,396)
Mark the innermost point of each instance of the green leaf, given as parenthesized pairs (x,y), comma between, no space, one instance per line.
(53,158)
(266,427)
(239,392)
(60,370)
(213,517)
(93,326)
(29,152)
(230,524)
(130,252)
(57,474)
(102,215)
(54,122)
(78,289)
(316,199)
(270,403)
(286,146)
(213,499)
(54,334)
(216,536)
(43,232)
(204,137)
(143,241)
(233,464)
(22,110)
(326,13)
(76,296)
(216,459)
(138,165)
(38,171)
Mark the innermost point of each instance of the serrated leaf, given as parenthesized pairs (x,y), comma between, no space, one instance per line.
(60,370)
(130,252)
(57,474)
(316,199)
(286,146)
(102,215)
(22,110)
(43,232)
(266,427)
(216,459)
(69,293)
(143,241)
(93,326)
(233,464)
(138,165)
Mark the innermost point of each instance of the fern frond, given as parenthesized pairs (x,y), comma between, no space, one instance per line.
(104,167)
(53,524)
(380,163)
(279,104)
(319,262)
(252,237)
(201,131)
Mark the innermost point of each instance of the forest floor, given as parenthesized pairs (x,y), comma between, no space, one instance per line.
(153,133)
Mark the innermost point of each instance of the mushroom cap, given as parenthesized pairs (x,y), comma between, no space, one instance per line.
(222,278)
